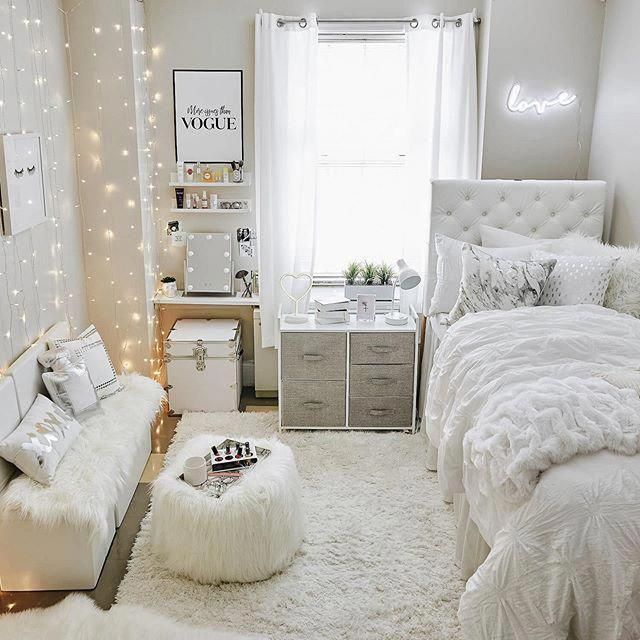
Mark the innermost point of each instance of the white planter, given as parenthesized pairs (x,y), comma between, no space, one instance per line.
(380,291)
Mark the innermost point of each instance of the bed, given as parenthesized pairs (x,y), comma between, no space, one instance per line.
(548,517)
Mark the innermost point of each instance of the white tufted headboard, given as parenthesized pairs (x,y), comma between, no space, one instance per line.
(535,208)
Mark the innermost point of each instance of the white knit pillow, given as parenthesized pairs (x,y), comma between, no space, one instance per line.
(40,441)
(90,346)
(576,279)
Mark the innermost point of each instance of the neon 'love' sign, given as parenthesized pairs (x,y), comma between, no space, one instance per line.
(517,105)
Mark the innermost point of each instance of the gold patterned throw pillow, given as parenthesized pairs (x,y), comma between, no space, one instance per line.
(40,441)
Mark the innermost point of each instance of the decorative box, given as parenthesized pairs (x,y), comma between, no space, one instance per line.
(204,365)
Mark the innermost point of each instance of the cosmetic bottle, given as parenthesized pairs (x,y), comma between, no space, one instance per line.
(194,201)
(213,200)
(225,174)
(207,176)
(198,172)
(180,170)
(180,197)
(188,173)
(187,202)
(204,204)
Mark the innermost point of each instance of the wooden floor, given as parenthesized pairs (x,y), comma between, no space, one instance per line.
(115,565)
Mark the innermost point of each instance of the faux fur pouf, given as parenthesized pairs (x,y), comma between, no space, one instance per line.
(377,561)
(78,618)
(252,531)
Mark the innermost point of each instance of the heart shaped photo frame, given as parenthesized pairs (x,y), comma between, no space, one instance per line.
(296,317)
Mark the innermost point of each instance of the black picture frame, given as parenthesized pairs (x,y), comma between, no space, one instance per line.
(240,74)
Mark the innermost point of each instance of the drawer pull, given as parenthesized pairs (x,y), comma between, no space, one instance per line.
(381,381)
(379,412)
(313,404)
(309,357)
(376,348)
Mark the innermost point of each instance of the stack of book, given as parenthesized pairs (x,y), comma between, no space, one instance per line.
(332,310)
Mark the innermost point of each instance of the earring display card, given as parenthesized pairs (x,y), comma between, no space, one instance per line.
(21,183)
(366,307)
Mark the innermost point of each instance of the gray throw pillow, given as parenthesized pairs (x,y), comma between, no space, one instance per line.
(490,283)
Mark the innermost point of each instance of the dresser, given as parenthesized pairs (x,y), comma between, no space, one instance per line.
(357,375)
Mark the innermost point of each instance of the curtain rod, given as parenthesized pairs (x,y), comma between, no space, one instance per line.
(412,22)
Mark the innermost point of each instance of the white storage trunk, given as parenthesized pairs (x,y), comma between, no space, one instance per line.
(204,365)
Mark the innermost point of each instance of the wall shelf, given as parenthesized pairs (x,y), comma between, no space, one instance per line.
(212,185)
(207,301)
(224,211)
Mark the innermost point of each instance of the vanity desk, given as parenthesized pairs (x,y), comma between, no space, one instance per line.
(356,375)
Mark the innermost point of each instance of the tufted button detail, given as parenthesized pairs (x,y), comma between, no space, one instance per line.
(553,214)
(484,213)
(537,197)
(501,198)
(448,213)
(466,197)
(518,214)
(570,197)
(586,214)
(465,228)
(533,229)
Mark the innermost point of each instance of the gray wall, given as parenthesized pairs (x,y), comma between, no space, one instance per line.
(547,46)
(615,150)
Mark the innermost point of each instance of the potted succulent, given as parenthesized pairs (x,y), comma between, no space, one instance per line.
(169,286)
(368,277)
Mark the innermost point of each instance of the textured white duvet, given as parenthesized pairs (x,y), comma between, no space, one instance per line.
(513,394)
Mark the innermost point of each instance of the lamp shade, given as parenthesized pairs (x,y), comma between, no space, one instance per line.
(408,278)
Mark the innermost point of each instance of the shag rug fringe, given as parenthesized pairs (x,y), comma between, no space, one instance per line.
(78,618)
(377,560)
(92,473)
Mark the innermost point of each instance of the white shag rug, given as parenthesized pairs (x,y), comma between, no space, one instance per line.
(377,562)
(78,618)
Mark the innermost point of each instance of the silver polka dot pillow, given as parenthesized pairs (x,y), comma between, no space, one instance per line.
(576,279)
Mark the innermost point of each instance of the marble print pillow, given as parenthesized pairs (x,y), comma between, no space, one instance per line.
(495,283)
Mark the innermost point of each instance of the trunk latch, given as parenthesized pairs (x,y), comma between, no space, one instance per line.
(200,353)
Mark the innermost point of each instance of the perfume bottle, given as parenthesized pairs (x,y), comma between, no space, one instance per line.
(198,172)
(207,175)
(204,203)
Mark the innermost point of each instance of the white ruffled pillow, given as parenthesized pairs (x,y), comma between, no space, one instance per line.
(40,441)
(449,269)
(576,279)
(69,384)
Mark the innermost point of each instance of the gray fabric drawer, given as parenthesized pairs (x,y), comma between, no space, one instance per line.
(313,404)
(380,412)
(314,356)
(382,348)
(374,380)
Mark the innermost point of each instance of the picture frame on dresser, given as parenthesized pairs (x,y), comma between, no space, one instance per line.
(357,375)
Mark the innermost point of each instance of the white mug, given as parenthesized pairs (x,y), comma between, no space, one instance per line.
(195,470)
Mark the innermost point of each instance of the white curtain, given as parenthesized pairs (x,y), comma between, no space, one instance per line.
(442,112)
(285,144)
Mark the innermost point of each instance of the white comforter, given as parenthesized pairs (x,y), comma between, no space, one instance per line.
(565,554)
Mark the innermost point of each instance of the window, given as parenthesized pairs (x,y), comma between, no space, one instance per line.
(362,134)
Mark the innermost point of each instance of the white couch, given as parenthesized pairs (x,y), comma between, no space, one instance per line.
(57,537)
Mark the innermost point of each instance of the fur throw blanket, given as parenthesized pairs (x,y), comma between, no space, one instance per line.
(94,470)
(525,428)
(623,292)
(78,618)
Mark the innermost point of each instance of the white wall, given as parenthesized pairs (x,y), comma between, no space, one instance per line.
(220,35)
(547,46)
(107,60)
(41,270)
(615,149)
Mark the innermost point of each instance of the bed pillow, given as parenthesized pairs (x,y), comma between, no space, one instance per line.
(449,269)
(40,441)
(492,283)
(494,237)
(90,347)
(576,279)
(69,384)
(623,292)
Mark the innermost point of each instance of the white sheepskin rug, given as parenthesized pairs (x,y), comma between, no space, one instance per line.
(94,470)
(78,618)
(377,560)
